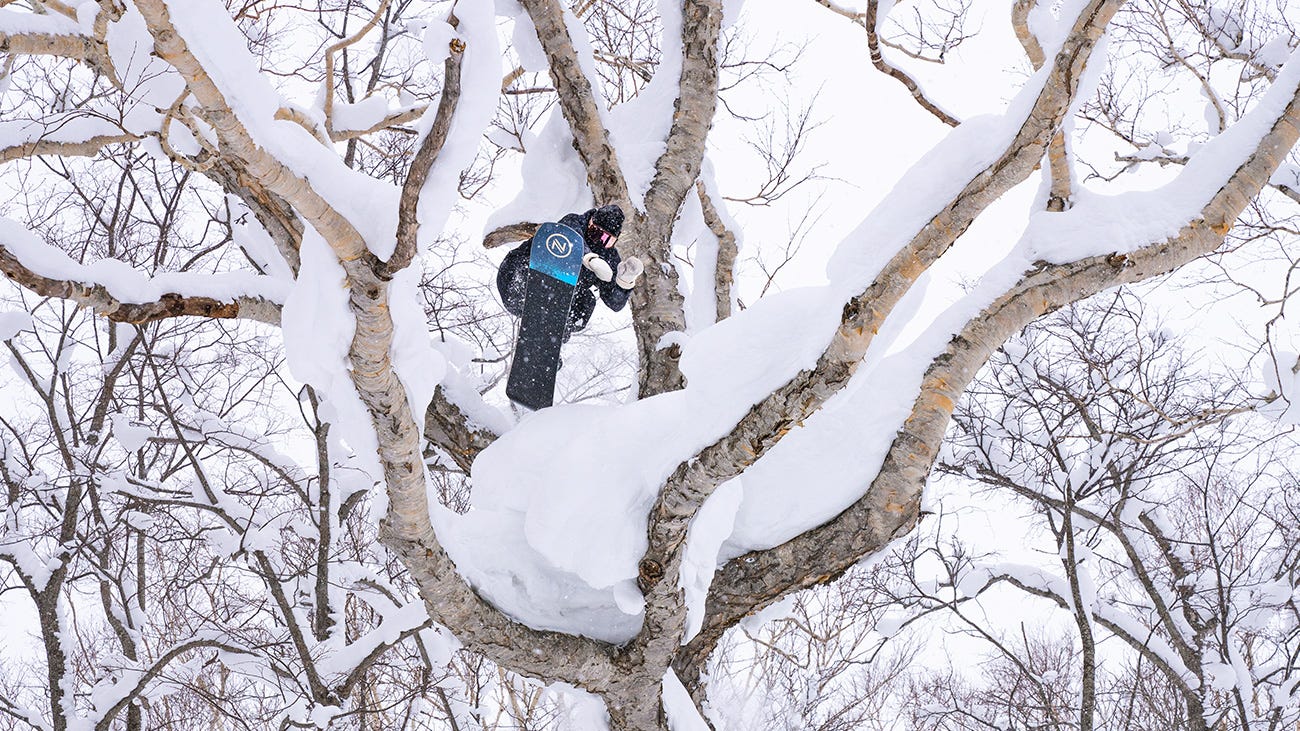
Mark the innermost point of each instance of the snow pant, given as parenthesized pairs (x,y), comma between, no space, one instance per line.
(512,284)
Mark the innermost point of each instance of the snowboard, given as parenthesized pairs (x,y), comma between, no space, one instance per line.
(555,260)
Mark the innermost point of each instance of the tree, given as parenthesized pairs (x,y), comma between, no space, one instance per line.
(317,219)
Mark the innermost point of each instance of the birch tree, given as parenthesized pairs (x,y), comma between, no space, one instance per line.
(332,144)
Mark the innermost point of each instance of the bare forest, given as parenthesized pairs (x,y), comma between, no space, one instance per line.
(995,431)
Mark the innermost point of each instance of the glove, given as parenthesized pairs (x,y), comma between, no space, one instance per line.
(598,266)
(629,271)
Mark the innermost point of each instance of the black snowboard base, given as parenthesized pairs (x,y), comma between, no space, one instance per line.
(554,263)
(541,333)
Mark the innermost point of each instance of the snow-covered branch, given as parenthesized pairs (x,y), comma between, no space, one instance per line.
(126,691)
(407,223)
(85,147)
(124,294)
(891,503)
(578,100)
(1058,153)
(51,35)
(658,305)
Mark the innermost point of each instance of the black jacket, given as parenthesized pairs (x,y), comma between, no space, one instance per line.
(512,277)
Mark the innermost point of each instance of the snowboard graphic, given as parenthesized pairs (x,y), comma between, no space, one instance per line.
(555,259)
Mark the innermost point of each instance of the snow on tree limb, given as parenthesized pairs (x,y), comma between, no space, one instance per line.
(236,140)
(87,147)
(578,101)
(430,146)
(339,46)
(407,529)
(123,294)
(110,702)
(891,503)
(658,304)
(393,119)
(1058,154)
(769,421)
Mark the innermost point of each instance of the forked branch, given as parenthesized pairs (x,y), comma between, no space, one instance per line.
(99,298)
(890,505)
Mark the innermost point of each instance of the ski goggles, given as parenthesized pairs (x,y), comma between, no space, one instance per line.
(605,238)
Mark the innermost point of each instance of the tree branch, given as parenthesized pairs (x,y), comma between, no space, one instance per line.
(446,427)
(98,297)
(868,21)
(407,528)
(658,303)
(60,40)
(88,147)
(408,224)
(106,717)
(1058,155)
(578,102)
(725,264)
(768,421)
(396,119)
(510,234)
(890,504)
(329,60)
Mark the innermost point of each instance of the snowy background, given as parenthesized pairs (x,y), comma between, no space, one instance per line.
(549,524)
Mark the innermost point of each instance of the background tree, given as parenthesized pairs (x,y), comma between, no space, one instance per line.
(292,175)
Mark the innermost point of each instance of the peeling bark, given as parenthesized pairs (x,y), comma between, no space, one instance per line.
(768,421)
(725,264)
(83,148)
(97,297)
(1058,154)
(658,304)
(889,507)
(408,224)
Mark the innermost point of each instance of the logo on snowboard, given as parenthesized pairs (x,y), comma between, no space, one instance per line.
(559,245)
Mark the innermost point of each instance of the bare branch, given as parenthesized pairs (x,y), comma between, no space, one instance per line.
(408,223)
(510,234)
(891,504)
(727,251)
(868,21)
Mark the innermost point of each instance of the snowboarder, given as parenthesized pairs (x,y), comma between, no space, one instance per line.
(602,268)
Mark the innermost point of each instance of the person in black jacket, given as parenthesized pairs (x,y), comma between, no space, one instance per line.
(602,268)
